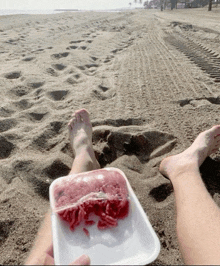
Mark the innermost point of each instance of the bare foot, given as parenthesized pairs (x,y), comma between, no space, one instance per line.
(80,134)
(205,144)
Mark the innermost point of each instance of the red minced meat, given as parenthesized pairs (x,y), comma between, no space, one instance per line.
(86,231)
(103,192)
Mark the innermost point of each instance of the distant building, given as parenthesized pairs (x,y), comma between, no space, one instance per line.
(171,4)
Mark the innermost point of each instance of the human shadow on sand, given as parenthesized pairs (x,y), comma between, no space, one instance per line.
(210,171)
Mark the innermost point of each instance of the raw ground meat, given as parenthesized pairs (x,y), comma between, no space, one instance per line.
(103,192)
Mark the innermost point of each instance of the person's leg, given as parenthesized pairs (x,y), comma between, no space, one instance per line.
(80,134)
(198,217)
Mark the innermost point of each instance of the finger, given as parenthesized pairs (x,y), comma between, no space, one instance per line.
(50,250)
(83,260)
(49,260)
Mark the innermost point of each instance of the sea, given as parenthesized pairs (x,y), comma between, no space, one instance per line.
(4,12)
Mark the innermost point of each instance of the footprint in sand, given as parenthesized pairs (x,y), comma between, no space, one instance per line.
(19,91)
(37,114)
(60,55)
(89,69)
(72,47)
(51,169)
(116,50)
(28,59)
(6,148)
(56,169)
(83,47)
(77,41)
(23,104)
(103,92)
(94,58)
(13,75)
(34,83)
(6,111)
(34,116)
(73,80)
(86,35)
(108,58)
(58,95)
(59,66)
(5,228)
(47,140)
(6,124)
(13,41)
(52,72)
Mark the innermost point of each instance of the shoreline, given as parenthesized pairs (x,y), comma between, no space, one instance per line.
(8,12)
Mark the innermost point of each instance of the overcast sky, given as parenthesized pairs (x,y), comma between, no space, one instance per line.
(57,4)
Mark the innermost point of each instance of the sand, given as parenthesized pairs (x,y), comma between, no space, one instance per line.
(151,83)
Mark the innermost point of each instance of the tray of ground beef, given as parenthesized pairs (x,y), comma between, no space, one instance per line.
(98,214)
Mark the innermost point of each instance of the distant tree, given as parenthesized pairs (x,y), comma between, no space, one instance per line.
(173,4)
(140,1)
(130,4)
(165,4)
(161,5)
(210,5)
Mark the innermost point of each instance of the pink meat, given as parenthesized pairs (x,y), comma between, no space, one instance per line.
(103,192)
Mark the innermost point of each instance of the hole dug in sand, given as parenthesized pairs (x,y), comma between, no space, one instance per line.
(112,143)
(6,148)
(5,227)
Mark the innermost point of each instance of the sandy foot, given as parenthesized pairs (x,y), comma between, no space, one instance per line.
(80,131)
(80,135)
(205,144)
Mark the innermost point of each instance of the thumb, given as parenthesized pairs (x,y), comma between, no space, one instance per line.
(82,260)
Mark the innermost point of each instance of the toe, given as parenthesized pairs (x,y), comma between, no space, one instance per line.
(69,124)
(77,116)
(217,137)
(72,122)
(85,115)
(215,130)
(214,151)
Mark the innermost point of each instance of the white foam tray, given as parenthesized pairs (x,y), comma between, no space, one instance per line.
(132,242)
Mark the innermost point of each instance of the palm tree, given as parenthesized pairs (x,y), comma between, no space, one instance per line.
(210,5)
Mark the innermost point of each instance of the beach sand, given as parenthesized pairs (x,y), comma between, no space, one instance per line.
(151,83)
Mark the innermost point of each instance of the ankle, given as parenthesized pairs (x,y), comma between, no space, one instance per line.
(184,173)
(86,155)
(175,166)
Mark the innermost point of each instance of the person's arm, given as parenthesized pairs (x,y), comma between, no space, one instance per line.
(42,251)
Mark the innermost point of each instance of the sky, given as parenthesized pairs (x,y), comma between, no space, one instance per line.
(65,4)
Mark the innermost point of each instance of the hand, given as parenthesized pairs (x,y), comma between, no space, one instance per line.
(49,260)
